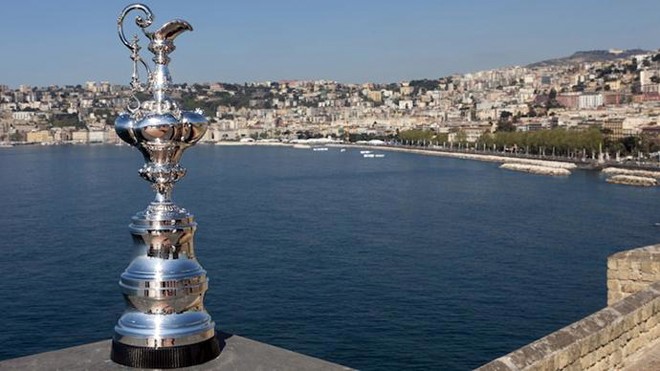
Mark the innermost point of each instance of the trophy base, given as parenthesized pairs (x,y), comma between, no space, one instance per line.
(171,357)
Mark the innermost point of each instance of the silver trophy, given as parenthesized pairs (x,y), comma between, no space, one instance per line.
(165,324)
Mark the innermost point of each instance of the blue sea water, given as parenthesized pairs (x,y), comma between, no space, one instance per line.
(380,264)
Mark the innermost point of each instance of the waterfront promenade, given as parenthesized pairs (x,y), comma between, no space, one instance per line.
(499,156)
(437,150)
(476,154)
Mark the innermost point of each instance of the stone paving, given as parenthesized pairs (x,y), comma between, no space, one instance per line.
(238,353)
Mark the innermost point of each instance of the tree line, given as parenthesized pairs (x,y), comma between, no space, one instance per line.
(557,141)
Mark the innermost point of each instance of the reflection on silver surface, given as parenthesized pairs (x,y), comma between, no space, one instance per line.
(164,285)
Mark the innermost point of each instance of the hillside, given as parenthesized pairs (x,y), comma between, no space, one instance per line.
(589,56)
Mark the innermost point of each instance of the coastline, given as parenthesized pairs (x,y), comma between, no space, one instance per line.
(426,152)
(467,156)
(521,164)
(233,144)
(616,175)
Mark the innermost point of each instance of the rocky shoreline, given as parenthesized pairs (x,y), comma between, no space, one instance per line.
(536,169)
(640,178)
(639,173)
(633,180)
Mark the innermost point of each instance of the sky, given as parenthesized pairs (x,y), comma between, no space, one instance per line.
(72,41)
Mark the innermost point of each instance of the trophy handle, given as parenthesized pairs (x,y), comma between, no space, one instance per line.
(139,21)
(134,47)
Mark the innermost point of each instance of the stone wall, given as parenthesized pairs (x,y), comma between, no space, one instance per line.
(631,271)
(612,338)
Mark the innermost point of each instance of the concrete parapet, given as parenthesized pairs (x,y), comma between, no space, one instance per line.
(238,353)
(616,337)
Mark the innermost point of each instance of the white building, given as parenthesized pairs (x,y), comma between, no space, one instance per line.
(90,86)
(23,115)
(80,136)
(647,85)
(96,136)
(405,104)
(589,101)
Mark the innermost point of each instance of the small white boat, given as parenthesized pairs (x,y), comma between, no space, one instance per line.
(365,152)
(379,155)
(373,155)
(342,150)
(320,148)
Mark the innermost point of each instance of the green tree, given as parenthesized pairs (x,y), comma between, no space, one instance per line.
(505,126)
(461,137)
(17,137)
(416,135)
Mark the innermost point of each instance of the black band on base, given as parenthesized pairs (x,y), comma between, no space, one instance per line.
(172,357)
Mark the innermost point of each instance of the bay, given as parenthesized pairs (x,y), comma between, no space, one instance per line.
(400,262)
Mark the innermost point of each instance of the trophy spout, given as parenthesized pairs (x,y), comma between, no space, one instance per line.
(170,30)
(162,40)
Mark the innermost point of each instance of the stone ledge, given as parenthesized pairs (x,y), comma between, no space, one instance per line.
(601,341)
(651,252)
(632,271)
(624,335)
(238,353)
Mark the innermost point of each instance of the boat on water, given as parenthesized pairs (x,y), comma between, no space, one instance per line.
(320,148)
(6,145)
(301,146)
(342,150)
(373,155)
(365,152)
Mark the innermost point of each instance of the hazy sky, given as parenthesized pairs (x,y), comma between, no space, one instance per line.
(68,42)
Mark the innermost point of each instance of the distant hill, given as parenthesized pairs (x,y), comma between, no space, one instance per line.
(589,56)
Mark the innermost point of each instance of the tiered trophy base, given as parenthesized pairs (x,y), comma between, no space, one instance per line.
(169,357)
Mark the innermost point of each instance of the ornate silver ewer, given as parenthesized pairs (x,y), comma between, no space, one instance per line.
(165,324)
